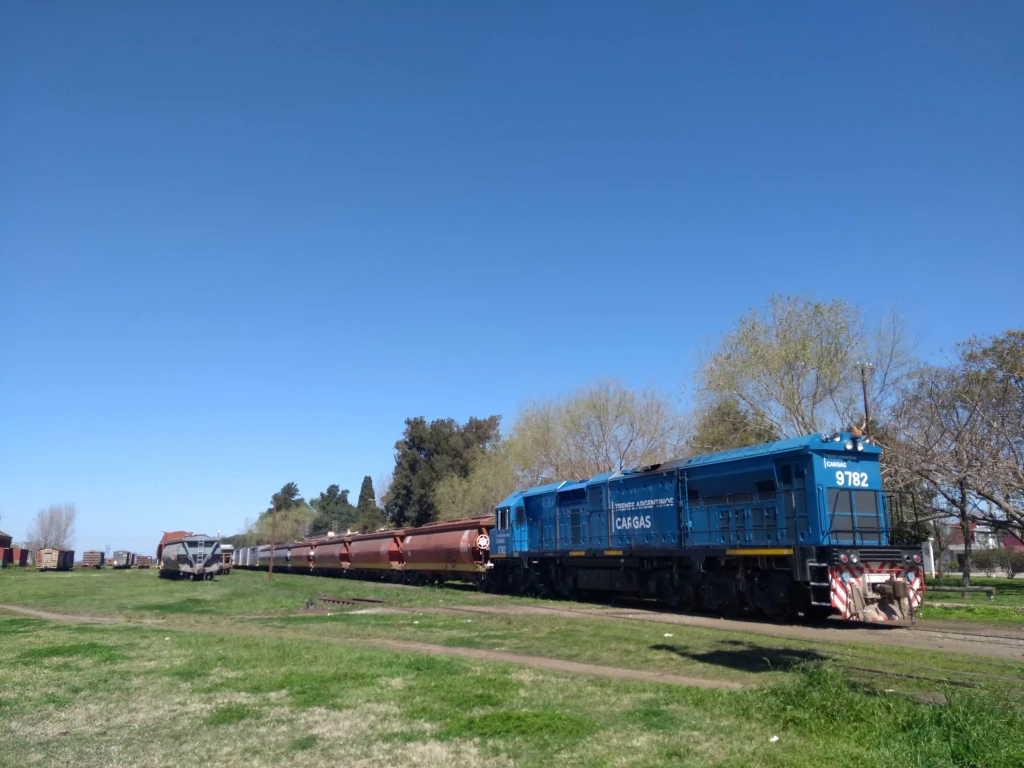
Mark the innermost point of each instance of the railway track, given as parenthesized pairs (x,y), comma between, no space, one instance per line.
(974,637)
(986,644)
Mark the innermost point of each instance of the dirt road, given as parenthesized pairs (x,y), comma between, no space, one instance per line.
(996,643)
(540,662)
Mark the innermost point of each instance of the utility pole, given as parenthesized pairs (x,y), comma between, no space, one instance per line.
(273,533)
(864,368)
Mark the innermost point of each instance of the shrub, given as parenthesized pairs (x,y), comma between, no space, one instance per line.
(987,560)
(1012,562)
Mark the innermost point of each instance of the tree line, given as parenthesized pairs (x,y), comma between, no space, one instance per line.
(296,518)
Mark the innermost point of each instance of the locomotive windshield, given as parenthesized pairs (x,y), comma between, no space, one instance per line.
(856,516)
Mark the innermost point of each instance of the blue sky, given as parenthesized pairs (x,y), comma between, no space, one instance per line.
(240,243)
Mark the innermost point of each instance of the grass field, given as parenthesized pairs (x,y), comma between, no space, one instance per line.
(1007,606)
(235,672)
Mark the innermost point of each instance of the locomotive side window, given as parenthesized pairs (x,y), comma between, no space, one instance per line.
(520,516)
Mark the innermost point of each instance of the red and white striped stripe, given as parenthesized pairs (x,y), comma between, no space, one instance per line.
(842,592)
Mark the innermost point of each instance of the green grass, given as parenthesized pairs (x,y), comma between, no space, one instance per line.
(238,671)
(261,699)
(229,715)
(246,601)
(97,652)
(140,594)
(537,726)
(690,651)
(303,743)
(1006,607)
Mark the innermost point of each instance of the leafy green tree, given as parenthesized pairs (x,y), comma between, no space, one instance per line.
(1012,562)
(429,452)
(367,498)
(286,498)
(725,424)
(988,560)
(334,512)
(292,524)
(370,519)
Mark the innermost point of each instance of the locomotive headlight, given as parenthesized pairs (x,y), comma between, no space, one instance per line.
(848,445)
(836,437)
(826,437)
(860,446)
(854,559)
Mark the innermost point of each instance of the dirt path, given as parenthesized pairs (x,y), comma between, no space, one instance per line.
(540,662)
(558,665)
(998,644)
(60,616)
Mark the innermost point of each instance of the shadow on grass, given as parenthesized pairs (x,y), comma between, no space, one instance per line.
(748,657)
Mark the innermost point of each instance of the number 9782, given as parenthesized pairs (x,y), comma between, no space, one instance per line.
(854,479)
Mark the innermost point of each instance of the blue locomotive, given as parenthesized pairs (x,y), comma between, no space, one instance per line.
(794,526)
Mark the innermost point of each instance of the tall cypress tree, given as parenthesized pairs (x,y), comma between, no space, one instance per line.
(367,498)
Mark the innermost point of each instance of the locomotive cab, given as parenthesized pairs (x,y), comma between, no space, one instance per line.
(869,564)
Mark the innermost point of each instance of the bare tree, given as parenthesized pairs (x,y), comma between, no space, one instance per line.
(382,485)
(938,421)
(54,527)
(492,478)
(992,371)
(961,431)
(940,538)
(601,428)
(792,365)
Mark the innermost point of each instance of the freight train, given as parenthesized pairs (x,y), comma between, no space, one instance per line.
(794,527)
(196,557)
